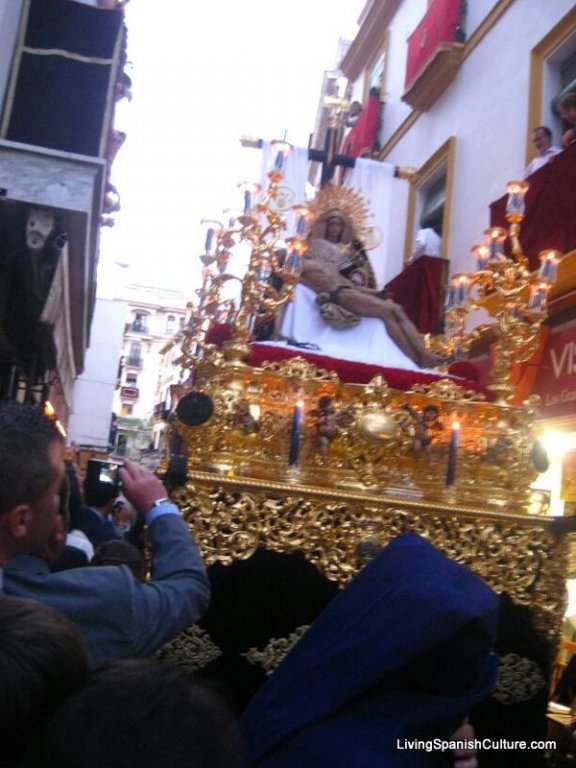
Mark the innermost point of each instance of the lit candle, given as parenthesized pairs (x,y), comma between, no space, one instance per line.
(538,296)
(496,237)
(281,150)
(453,453)
(265,270)
(209,239)
(293,264)
(460,288)
(548,265)
(516,191)
(301,213)
(295,434)
(222,259)
(482,254)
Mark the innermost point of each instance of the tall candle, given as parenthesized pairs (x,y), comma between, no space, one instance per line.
(265,270)
(295,434)
(453,454)
(548,265)
(516,192)
(538,296)
(293,263)
(482,253)
(209,238)
(460,284)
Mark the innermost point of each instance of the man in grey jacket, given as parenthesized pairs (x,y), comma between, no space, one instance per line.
(118,616)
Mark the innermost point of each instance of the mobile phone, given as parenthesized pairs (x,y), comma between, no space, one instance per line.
(102,475)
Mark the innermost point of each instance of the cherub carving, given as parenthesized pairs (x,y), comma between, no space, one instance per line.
(425,424)
(244,418)
(328,419)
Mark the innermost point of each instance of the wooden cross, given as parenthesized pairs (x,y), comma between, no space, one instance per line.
(328,157)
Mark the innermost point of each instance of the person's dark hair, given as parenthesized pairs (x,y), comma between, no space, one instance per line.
(141,713)
(568,100)
(120,552)
(42,660)
(25,466)
(433,222)
(543,128)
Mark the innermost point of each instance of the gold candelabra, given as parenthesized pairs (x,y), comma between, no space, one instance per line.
(505,286)
(260,226)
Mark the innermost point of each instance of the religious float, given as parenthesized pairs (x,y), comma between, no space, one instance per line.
(288,448)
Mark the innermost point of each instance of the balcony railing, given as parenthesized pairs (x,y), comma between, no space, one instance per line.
(160,411)
(129,393)
(435,50)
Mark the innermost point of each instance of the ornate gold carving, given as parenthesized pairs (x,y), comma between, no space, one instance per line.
(340,506)
(373,448)
(449,390)
(275,651)
(190,650)
(513,553)
(299,368)
(519,679)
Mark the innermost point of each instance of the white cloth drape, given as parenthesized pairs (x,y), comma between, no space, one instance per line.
(368,342)
(295,178)
(373,180)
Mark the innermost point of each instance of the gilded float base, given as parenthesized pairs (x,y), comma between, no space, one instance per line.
(339,529)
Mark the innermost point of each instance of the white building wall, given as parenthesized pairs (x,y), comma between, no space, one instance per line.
(403,24)
(94,389)
(485,109)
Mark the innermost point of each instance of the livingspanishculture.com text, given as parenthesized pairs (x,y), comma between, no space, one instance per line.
(442,745)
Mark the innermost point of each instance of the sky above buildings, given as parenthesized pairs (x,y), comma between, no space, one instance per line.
(205,74)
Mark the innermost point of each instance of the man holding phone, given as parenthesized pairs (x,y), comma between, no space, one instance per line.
(101,489)
(118,615)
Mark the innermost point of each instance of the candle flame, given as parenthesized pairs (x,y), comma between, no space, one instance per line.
(60,427)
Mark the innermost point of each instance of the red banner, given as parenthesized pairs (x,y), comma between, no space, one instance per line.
(556,379)
(438,26)
(363,135)
(418,289)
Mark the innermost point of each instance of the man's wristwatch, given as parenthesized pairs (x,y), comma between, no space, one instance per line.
(159,502)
